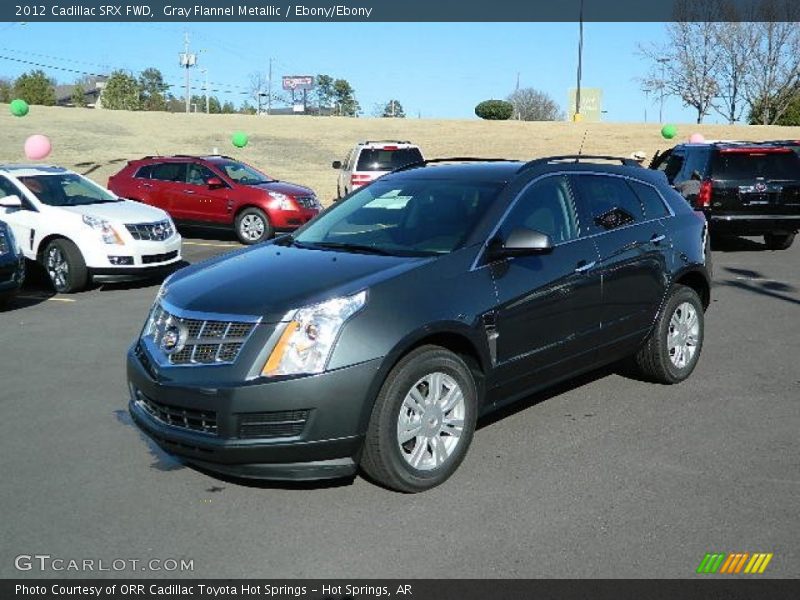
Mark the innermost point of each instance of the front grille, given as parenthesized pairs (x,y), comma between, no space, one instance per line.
(287,423)
(176,416)
(151,232)
(309,202)
(149,259)
(199,342)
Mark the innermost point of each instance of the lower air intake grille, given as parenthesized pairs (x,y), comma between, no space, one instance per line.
(183,418)
(288,423)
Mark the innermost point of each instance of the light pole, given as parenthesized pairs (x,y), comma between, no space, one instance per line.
(663,61)
(646,101)
(577,116)
(205,87)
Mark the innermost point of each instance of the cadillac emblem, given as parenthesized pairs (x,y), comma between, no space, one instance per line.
(173,338)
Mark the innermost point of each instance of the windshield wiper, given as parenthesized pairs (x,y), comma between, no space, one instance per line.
(353,247)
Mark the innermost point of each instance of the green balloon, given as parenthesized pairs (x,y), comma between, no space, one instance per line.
(669,131)
(239,139)
(19,108)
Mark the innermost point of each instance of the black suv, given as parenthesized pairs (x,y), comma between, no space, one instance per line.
(378,333)
(743,188)
(12,265)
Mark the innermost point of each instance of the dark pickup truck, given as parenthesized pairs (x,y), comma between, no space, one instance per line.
(743,188)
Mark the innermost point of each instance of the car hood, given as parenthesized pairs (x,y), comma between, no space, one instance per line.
(270,280)
(284,187)
(125,211)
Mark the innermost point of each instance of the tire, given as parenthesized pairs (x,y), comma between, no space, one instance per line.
(656,361)
(778,241)
(253,226)
(65,266)
(423,461)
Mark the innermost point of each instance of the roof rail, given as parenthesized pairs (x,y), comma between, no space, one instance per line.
(385,142)
(428,161)
(577,158)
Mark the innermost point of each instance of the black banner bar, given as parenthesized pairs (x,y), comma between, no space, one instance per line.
(734,588)
(396,11)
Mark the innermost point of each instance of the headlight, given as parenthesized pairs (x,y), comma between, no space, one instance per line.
(309,337)
(107,232)
(284,201)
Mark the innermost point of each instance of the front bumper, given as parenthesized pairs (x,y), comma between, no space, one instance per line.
(142,256)
(753,224)
(305,428)
(289,220)
(12,273)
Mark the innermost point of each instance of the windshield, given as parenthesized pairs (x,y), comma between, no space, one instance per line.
(767,165)
(69,189)
(406,217)
(242,173)
(381,159)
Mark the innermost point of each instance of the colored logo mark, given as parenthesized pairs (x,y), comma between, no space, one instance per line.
(735,562)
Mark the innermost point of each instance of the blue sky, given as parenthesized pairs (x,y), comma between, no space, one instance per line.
(438,70)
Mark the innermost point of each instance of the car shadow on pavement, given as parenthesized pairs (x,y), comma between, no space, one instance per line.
(162,461)
(207,234)
(35,290)
(755,282)
(140,282)
(736,244)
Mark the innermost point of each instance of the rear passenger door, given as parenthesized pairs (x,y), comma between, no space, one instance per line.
(167,179)
(632,256)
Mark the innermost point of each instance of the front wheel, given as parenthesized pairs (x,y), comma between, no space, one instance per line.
(778,241)
(423,421)
(65,266)
(671,352)
(253,226)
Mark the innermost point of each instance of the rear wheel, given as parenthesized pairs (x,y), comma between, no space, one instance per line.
(423,421)
(253,226)
(778,241)
(673,348)
(65,266)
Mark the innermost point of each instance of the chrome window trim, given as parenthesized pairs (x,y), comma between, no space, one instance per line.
(513,203)
(207,316)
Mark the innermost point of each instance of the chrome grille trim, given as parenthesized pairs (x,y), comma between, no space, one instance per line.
(151,232)
(204,341)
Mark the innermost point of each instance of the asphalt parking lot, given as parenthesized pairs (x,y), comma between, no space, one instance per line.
(604,477)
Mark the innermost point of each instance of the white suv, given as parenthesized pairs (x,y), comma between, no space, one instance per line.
(77,229)
(370,160)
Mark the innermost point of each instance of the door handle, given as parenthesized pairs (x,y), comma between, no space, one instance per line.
(189,192)
(583,266)
(147,185)
(657,238)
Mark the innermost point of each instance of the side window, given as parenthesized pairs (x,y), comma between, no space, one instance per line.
(654,207)
(175,172)
(198,174)
(609,201)
(7,189)
(547,207)
(696,160)
(672,166)
(144,172)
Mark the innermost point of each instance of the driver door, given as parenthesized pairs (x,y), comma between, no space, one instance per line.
(549,309)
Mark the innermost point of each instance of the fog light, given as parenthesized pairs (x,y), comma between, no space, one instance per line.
(120,260)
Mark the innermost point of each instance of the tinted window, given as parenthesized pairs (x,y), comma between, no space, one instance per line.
(752,165)
(610,200)
(546,206)
(8,189)
(144,172)
(410,216)
(654,206)
(672,166)
(198,174)
(375,159)
(242,173)
(696,160)
(169,172)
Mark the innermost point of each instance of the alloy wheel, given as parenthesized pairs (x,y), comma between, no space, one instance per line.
(683,336)
(252,227)
(57,268)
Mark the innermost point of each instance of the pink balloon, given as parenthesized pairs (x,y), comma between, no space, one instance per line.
(696,138)
(38,147)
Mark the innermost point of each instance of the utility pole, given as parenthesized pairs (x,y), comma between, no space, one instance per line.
(205,87)
(516,89)
(269,89)
(646,101)
(663,82)
(578,116)
(187,61)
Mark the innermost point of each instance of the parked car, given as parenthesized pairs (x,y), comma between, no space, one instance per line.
(78,230)
(377,334)
(369,160)
(217,191)
(742,188)
(12,263)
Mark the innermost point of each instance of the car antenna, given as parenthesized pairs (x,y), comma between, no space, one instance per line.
(583,141)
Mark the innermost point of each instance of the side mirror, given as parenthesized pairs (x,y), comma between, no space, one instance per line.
(11,201)
(214,183)
(337,164)
(524,242)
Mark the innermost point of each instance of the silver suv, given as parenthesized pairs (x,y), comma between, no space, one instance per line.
(369,160)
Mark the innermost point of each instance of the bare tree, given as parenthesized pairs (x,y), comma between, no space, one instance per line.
(735,43)
(533,105)
(686,66)
(258,88)
(773,74)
